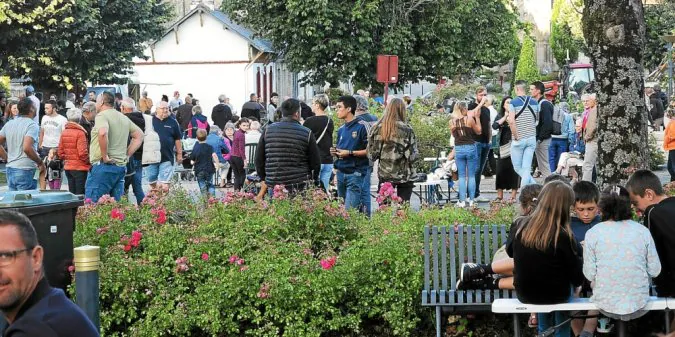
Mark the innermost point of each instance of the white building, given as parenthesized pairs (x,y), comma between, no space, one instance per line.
(206,54)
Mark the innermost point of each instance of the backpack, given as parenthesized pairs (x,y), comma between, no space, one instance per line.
(192,132)
(558,120)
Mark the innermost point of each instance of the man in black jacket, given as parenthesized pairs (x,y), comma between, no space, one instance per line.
(252,108)
(657,110)
(30,307)
(184,113)
(544,127)
(134,174)
(287,153)
(221,113)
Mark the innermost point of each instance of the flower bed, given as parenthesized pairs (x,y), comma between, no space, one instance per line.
(295,267)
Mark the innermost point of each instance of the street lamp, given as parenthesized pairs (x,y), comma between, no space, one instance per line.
(670,39)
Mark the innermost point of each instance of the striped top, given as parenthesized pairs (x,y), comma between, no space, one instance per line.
(526,123)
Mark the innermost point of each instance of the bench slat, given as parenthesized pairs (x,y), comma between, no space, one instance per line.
(486,241)
(427,283)
(477,244)
(453,263)
(444,263)
(434,247)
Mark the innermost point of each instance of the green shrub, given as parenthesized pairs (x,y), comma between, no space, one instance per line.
(527,69)
(656,155)
(234,267)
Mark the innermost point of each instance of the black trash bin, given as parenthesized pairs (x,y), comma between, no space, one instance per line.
(53,216)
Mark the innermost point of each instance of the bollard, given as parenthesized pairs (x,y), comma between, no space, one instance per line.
(87,261)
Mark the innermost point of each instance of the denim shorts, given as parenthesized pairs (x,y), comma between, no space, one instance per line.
(161,172)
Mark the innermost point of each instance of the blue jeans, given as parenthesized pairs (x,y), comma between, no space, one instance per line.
(205,182)
(136,180)
(365,191)
(522,152)
(349,188)
(466,157)
(548,320)
(105,179)
(324,175)
(21,179)
(558,146)
(482,150)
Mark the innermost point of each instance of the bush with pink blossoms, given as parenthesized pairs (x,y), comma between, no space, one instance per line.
(293,266)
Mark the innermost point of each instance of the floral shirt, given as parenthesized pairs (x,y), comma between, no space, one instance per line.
(620,257)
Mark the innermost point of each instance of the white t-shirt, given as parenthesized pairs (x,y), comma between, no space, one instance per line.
(53,126)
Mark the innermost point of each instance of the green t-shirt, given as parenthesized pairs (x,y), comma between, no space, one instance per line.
(119,128)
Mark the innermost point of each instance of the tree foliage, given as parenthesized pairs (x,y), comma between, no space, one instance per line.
(566,33)
(96,42)
(527,69)
(660,20)
(332,41)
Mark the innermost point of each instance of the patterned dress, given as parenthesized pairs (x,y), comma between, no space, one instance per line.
(620,257)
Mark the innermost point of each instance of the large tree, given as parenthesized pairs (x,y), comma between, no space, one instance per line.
(96,44)
(337,40)
(615,34)
(566,32)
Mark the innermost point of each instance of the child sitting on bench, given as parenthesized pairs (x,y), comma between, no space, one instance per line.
(620,258)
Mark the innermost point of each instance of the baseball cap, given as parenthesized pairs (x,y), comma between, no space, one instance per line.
(30,88)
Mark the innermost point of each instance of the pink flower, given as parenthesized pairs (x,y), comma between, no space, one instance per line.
(205,256)
(239,262)
(71,269)
(242,268)
(264,291)
(102,230)
(279,192)
(160,215)
(88,201)
(116,213)
(328,263)
(234,258)
(127,248)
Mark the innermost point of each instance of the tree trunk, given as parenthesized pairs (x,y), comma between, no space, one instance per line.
(615,33)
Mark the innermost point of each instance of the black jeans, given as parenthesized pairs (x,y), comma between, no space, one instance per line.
(671,164)
(238,171)
(403,190)
(76,181)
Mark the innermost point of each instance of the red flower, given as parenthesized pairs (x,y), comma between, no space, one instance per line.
(328,263)
(115,213)
(239,262)
(205,256)
(127,248)
(160,215)
(234,258)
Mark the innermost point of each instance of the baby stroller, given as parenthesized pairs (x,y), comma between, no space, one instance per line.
(185,168)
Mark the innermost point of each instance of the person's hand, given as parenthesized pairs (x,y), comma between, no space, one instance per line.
(343,153)
(483,101)
(245,162)
(43,170)
(179,157)
(107,159)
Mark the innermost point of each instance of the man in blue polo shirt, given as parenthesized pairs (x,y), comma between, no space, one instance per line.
(352,163)
(159,174)
(363,113)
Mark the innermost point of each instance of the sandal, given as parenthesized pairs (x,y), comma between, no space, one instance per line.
(532,321)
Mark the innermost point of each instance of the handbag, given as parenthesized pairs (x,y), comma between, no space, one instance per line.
(505,150)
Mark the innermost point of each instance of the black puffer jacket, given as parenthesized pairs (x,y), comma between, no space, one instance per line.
(287,154)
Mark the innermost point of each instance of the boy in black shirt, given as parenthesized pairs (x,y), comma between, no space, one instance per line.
(646,194)
(203,158)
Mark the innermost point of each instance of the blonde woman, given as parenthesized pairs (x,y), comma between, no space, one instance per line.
(392,141)
(465,126)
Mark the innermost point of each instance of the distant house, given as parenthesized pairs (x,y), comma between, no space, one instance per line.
(205,53)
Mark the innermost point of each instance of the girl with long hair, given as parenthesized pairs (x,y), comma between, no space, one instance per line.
(464,126)
(507,177)
(547,257)
(11,111)
(392,141)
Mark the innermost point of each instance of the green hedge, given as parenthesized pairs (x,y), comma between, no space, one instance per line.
(234,267)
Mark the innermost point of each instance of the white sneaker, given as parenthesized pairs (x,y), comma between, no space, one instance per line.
(470,203)
(482,199)
(461,204)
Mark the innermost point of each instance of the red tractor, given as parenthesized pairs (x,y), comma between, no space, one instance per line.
(575,79)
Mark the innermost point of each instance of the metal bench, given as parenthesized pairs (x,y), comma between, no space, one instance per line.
(445,249)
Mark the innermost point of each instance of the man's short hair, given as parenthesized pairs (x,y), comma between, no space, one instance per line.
(521,84)
(361,103)
(321,100)
(23,224)
(480,89)
(118,95)
(128,103)
(72,96)
(539,85)
(289,107)
(201,135)
(557,177)
(252,95)
(274,94)
(657,87)
(585,192)
(107,98)
(74,114)
(643,180)
(348,102)
(52,103)
(222,98)
(92,92)
(89,107)
(25,106)
(196,110)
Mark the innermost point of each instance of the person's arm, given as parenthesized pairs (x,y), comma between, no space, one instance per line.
(499,121)
(511,118)
(135,144)
(41,138)
(653,262)
(414,152)
(3,153)
(574,258)
(591,124)
(373,147)
(260,157)
(314,158)
(30,153)
(571,131)
(473,122)
(357,153)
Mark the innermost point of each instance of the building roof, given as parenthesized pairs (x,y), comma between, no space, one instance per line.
(262,45)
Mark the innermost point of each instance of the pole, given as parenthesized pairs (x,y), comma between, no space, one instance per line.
(386,92)
(670,69)
(87,261)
